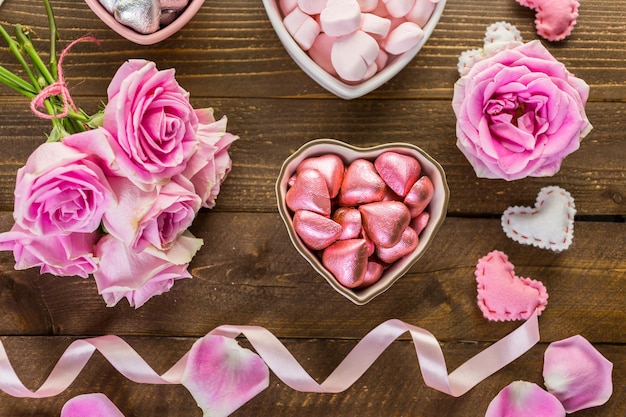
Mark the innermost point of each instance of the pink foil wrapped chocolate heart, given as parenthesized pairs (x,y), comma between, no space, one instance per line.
(383,239)
(316,231)
(347,260)
(309,192)
(361,184)
(384,221)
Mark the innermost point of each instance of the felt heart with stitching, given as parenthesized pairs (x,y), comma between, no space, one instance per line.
(503,296)
(550,225)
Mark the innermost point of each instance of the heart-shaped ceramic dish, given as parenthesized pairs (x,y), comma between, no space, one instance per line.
(437,208)
(333,84)
(152,38)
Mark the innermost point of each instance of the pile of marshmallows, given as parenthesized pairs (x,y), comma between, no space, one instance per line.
(355,39)
(361,218)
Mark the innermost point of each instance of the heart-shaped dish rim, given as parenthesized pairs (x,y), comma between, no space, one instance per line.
(333,84)
(437,208)
(151,38)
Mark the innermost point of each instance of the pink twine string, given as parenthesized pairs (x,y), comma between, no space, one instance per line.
(430,356)
(58,88)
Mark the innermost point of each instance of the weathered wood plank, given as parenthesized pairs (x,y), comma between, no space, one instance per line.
(270,130)
(392,387)
(229,49)
(248,273)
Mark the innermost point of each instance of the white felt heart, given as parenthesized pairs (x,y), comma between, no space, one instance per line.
(502,295)
(549,225)
(330,82)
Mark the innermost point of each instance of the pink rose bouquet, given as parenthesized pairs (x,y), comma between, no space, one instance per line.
(113,195)
(519,111)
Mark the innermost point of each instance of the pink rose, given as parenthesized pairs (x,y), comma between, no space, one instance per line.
(138,276)
(156,217)
(209,166)
(61,255)
(61,190)
(519,113)
(152,124)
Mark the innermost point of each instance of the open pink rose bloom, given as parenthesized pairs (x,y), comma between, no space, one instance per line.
(519,111)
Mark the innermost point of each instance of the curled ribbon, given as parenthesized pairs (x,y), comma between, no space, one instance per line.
(58,88)
(276,356)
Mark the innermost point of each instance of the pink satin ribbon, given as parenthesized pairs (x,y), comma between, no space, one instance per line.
(430,356)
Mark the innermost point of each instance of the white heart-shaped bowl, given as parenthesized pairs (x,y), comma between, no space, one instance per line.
(437,208)
(333,84)
(148,39)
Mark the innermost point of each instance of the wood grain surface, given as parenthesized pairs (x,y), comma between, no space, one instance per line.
(228,57)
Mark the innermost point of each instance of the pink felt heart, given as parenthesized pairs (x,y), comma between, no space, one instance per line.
(549,225)
(555,19)
(502,295)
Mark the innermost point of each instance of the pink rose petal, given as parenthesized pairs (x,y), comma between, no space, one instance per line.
(222,376)
(524,399)
(90,405)
(577,374)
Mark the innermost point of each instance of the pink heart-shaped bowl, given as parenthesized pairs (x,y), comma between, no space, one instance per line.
(437,208)
(333,84)
(149,39)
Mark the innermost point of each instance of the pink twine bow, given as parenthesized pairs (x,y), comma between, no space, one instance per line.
(284,365)
(58,88)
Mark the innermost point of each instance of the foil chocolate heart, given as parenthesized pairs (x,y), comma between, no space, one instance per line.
(429,12)
(385,221)
(361,184)
(309,192)
(146,39)
(331,167)
(419,196)
(373,284)
(347,260)
(316,231)
(407,244)
(399,171)
(350,221)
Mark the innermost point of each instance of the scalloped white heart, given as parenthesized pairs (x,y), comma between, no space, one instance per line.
(330,82)
(549,225)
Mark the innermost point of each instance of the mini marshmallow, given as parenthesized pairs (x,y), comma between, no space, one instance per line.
(302,27)
(320,52)
(341,17)
(381,59)
(375,25)
(399,8)
(403,38)
(421,12)
(312,6)
(353,55)
(287,6)
(368,5)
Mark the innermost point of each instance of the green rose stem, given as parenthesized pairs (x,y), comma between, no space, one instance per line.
(41,76)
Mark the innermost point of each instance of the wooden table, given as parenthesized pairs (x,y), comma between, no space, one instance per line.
(248,273)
